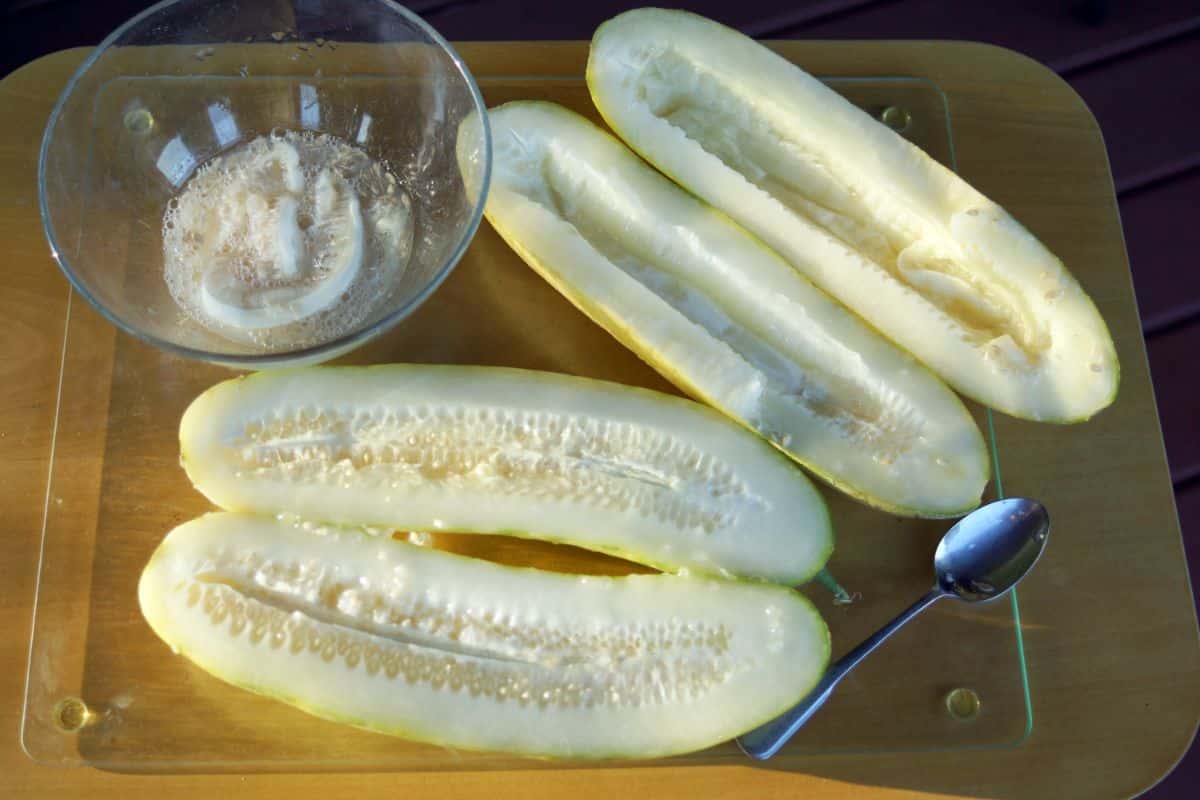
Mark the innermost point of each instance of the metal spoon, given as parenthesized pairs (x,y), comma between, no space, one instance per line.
(983,556)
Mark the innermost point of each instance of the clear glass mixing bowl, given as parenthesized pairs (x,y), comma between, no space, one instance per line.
(189,79)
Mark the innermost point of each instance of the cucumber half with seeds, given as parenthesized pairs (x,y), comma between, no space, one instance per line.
(930,262)
(383,635)
(653,478)
(726,319)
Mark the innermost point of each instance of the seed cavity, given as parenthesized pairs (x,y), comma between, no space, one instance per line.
(920,253)
(394,634)
(827,381)
(601,464)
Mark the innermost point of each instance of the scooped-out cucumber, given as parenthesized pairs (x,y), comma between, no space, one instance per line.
(383,635)
(926,259)
(650,477)
(725,319)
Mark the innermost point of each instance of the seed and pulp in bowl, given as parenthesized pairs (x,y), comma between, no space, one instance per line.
(286,240)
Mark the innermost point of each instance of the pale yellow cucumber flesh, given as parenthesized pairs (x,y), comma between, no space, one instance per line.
(726,319)
(933,264)
(414,642)
(653,478)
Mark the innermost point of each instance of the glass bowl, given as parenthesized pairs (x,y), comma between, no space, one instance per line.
(188,80)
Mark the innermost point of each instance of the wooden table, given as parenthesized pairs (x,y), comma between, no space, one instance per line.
(1110,629)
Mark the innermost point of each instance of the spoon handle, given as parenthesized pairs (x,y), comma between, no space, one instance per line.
(765,740)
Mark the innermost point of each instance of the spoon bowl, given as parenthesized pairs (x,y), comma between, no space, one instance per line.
(991,549)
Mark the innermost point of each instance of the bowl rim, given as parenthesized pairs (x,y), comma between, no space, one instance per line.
(313,353)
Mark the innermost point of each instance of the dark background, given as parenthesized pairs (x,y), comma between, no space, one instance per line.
(1135,62)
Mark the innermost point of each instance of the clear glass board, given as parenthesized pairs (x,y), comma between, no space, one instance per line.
(104,691)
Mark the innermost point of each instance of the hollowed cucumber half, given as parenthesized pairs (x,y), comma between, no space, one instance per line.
(725,319)
(926,259)
(380,634)
(653,478)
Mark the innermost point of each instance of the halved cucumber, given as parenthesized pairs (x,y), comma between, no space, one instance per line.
(933,264)
(656,479)
(383,635)
(726,319)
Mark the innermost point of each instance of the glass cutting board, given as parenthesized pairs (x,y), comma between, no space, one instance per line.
(104,691)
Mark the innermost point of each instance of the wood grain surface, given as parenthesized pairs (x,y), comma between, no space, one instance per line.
(1110,631)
